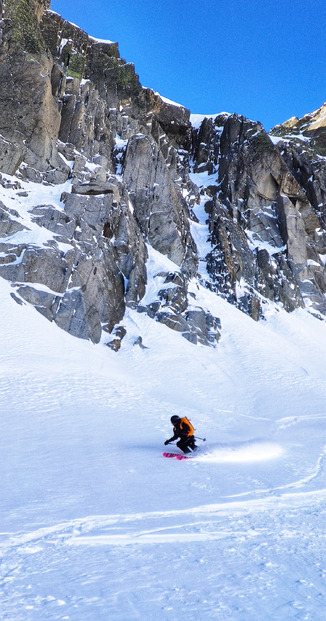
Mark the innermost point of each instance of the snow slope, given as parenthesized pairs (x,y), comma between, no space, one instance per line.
(97,525)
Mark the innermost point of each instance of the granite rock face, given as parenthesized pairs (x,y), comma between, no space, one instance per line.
(267,229)
(98,173)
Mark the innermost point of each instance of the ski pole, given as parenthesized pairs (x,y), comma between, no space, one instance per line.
(203,439)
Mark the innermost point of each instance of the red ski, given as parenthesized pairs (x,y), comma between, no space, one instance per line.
(176,456)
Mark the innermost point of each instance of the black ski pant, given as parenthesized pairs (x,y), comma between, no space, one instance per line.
(187,443)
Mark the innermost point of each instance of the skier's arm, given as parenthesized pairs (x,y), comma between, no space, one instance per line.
(176,435)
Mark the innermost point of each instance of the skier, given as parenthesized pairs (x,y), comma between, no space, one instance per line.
(184,430)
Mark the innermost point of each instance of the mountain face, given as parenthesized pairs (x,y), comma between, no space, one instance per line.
(98,173)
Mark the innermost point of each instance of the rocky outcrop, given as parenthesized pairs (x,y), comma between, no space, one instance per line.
(29,116)
(267,237)
(302,145)
(176,308)
(83,116)
(160,209)
(97,173)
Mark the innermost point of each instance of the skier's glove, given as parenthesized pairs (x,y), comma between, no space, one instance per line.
(167,442)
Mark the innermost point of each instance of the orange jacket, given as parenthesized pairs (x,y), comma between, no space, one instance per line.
(184,429)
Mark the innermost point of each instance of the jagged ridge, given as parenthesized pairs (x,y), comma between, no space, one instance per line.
(129,172)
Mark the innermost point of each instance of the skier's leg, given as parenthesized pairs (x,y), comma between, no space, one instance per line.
(192,443)
(182,444)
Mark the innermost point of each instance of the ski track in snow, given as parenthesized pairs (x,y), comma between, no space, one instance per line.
(114,526)
(197,543)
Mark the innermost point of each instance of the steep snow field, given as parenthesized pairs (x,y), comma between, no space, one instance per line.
(97,525)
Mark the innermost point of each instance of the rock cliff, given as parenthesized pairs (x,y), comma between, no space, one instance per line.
(98,172)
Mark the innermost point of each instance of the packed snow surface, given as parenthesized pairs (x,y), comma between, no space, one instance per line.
(96,524)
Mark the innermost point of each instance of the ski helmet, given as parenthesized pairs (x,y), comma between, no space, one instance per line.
(175,419)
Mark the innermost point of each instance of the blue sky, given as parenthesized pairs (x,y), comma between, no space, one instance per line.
(264,59)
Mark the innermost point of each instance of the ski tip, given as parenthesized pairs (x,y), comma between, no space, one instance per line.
(176,456)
